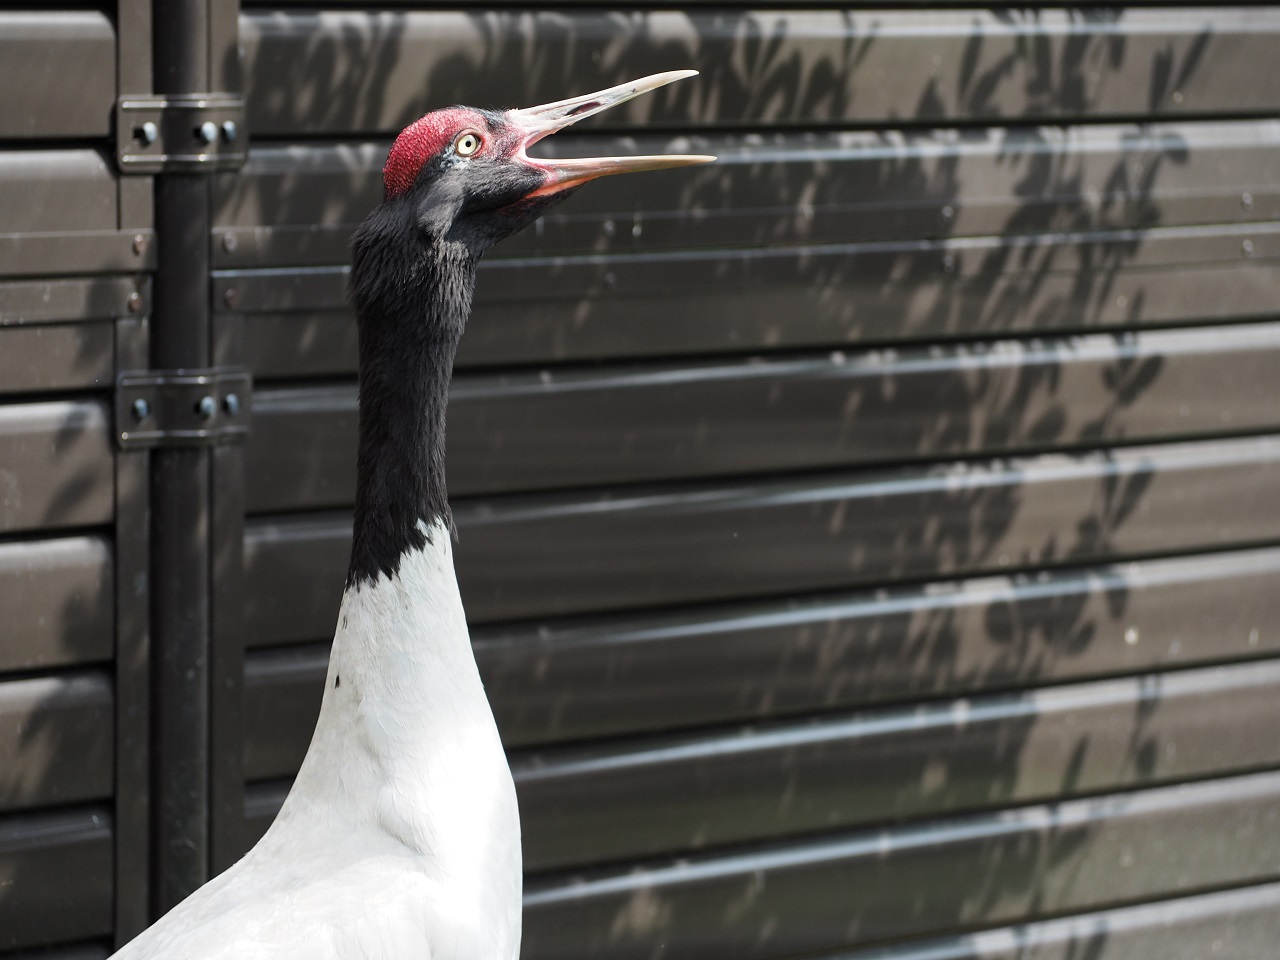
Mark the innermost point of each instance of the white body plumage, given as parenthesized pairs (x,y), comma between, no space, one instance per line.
(401,836)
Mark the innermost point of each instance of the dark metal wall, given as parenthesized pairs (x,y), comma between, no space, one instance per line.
(871,541)
(76,250)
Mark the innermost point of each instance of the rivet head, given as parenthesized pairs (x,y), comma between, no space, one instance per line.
(230,131)
(134,303)
(207,132)
(207,407)
(230,297)
(148,133)
(141,409)
(229,242)
(1246,200)
(139,244)
(231,403)
(1247,248)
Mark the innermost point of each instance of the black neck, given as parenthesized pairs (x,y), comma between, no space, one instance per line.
(412,300)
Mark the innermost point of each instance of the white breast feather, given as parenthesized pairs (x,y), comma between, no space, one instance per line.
(400,838)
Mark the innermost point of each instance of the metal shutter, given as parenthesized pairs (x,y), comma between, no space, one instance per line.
(870,541)
(76,246)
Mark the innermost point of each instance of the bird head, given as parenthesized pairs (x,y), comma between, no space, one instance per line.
(465,175)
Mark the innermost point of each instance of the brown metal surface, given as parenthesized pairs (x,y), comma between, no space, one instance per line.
(822,66)
(619,675)
(25,302)
(37,359)
(296,205)
(1239,924)
(877,885)
(574,427)
(55,602)
(616,802)
(57,472)
(58,868)
(49,191)
(57,73)
(56,740)
(577,680)
(655,547)
(133,722)
(597,321)
(749,588)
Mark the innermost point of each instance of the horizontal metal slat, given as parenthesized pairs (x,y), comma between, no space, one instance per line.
(672,795)
(829,310)
(627,675)
(575,428)
(573,554)
(27,302)
(916,881)
(55,870)
(694,272)
(56,740)
(612,803)
(57,73)
(821,66)
(297,204)
(282,690)
(538,310)
(89,951)
(1238,924)
(617,675)
(43,191)
(73,252)
(56,603)
(56,357)
(554,555)
(57,461)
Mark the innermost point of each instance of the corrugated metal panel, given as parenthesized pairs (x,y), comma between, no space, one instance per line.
(1235,924)
(610,310)
(57,73)
(56,871)
(912,881)
(57,740)
(632,674)
(71,299)
(76,243)
(821,66)
(615,802)
(643,548)
(51,357)
(90,951)
(46,191)
(620,802)
(57,460)
(297,204)
(561,428)
(578,679)
(56,602)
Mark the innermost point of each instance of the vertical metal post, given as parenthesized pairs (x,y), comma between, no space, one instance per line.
(180,541)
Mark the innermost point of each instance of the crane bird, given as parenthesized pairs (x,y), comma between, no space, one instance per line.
(400,837)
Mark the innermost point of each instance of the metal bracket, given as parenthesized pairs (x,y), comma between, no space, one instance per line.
(199,132)
(182,408)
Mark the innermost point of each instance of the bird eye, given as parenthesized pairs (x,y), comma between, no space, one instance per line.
(466,145)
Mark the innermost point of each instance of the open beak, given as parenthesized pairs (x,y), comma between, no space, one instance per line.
(539,122)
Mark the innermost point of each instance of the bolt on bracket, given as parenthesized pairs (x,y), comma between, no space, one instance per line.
(196,132)
(182,408)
